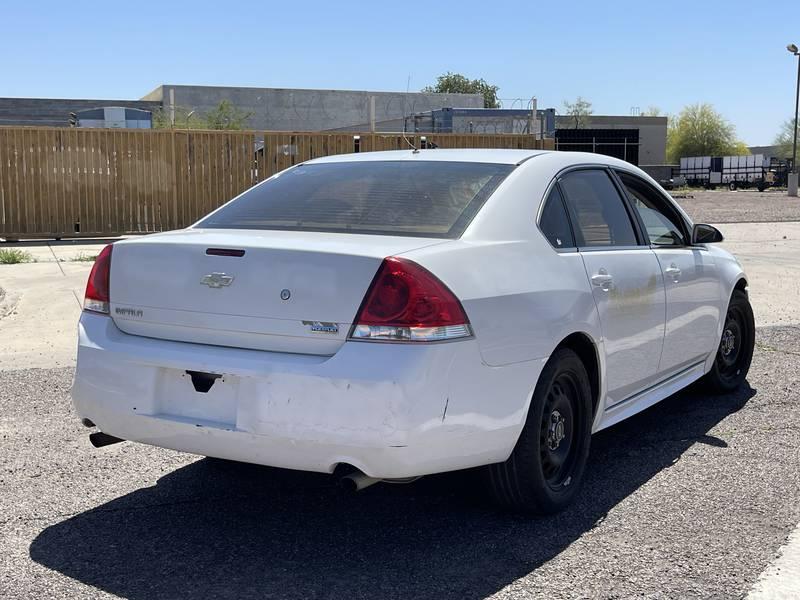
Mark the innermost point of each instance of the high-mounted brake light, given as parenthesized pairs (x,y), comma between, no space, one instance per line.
(97,297)
(407,303)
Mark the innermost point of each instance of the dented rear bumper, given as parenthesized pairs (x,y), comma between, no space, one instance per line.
(390,410)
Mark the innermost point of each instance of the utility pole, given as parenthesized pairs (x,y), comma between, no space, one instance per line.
(794,174)
(372,114)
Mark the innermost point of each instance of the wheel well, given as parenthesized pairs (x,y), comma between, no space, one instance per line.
(741,285)
(582,345)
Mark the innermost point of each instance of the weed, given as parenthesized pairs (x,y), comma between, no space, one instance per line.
(12,256)
(82,257)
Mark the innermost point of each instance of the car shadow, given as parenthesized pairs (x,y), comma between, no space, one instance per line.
(222,529)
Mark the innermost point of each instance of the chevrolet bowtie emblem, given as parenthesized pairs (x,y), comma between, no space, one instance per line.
(217,280)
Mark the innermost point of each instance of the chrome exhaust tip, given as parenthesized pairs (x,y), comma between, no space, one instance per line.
(357,481)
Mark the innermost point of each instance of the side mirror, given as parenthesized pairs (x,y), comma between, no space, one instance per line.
(705,234)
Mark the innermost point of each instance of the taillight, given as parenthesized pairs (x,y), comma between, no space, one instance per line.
(406,302)
(97,296)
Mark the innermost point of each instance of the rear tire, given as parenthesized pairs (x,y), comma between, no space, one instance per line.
(545,470)
(735,351)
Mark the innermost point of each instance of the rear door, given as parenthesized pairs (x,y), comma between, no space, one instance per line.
(625,277)
(690,278)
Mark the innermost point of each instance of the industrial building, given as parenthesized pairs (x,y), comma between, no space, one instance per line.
(647,134)
(55,112)
(272,109)
(639,140)
(277,109)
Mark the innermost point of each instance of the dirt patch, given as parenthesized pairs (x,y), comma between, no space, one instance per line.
(739,207)
(8,303)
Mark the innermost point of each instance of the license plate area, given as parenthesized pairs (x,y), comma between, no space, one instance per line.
(181,394)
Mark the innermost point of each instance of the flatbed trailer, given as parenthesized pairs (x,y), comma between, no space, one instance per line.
(734,172)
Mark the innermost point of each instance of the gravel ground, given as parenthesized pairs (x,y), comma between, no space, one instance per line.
(720,206)
(690,499)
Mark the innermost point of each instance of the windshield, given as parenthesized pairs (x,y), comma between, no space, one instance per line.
(425,198)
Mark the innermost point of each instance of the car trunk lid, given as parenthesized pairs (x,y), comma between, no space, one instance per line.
(267,290)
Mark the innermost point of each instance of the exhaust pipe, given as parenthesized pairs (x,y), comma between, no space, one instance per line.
(357,480)
(100,439)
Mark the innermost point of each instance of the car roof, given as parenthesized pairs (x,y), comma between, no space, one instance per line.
(478,155)
(557,159)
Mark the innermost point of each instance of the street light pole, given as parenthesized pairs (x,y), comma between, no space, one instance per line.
(794,175)
(796,107)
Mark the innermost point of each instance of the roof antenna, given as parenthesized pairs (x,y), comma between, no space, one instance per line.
(414,149)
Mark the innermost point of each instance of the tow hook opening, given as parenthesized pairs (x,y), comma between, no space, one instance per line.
(202,382)
(100,439)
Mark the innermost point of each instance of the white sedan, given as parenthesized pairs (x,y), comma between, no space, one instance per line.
(395,314)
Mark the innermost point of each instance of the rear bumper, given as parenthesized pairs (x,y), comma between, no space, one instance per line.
(391,410)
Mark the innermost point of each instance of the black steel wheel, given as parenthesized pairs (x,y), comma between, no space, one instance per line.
(545,469)
(557,430)
(735,351)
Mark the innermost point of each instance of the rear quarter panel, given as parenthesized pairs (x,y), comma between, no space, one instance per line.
(522,299)
(522,296)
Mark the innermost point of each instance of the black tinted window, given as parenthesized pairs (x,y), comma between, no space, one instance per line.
(554,222)
(661,222)
(599,214)
(415,198)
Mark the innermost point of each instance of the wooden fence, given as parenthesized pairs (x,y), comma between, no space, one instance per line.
(57,182)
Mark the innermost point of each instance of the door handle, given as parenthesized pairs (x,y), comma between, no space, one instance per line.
(674,272)
(602,280)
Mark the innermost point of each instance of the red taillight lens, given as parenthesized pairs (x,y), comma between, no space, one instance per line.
(407,302)
(97,297)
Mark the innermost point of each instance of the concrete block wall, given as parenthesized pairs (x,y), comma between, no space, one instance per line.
(310,110)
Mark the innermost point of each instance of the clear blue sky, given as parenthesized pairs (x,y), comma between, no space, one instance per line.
(616,54)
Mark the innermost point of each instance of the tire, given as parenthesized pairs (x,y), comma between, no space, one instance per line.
(735,352)
(545,470)
(732,186)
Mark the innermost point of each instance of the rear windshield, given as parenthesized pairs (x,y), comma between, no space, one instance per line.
(425,198)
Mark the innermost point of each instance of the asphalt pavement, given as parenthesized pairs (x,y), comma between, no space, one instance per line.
(690,499)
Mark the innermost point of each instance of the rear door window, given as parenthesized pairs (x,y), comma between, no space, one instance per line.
(598,212)
(413,198)
(555,223)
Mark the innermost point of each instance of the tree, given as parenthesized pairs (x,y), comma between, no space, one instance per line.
(227,116)
(580,111)
(454,83)
(652,111)
(223,116)
(785,139)
(184,118)
(699,130)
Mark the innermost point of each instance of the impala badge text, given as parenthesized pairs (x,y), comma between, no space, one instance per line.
(322,327)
